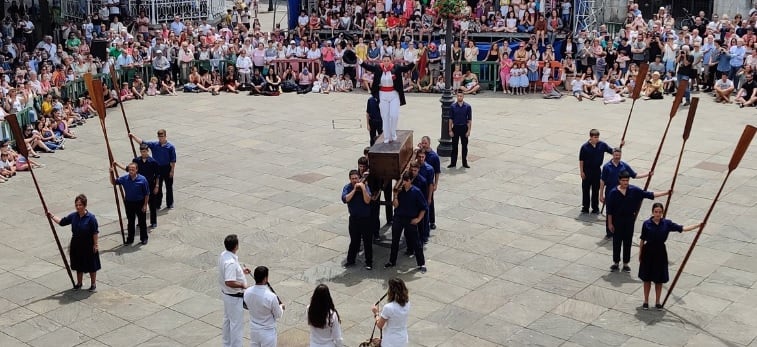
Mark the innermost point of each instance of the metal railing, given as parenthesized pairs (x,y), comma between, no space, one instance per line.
(159,11)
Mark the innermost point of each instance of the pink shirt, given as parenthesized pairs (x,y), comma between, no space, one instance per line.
(327,53)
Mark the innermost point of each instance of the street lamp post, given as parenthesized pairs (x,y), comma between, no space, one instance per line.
(444,149)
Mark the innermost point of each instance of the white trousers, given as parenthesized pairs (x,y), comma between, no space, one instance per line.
(232,329)
(389,104)
(263,338)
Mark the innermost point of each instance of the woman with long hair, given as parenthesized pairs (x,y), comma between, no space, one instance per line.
(393,317)
(323,319)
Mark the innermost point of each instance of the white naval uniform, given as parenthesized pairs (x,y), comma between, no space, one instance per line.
(264,312)
(229,269)
(389,104)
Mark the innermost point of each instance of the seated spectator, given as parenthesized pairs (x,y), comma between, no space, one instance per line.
(273,83)
(167,86)
(470,83)
(138,87)
(610,92)
(305,81)
(723,89)
(47,135)
(152,88)
(653,89)
(257,83)
(424,84)
(344,84)
(549,90)
(34,141)
(367,80)
(7,167)
(747,95)
(526,24)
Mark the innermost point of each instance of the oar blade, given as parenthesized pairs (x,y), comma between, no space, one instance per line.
(114,79)
(98,99)
(682,86)
(690,118)
(643,69)
(742,146)
(18,135)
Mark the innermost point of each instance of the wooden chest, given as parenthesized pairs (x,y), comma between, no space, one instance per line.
(387,160)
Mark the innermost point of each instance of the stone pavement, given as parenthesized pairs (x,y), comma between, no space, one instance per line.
(512,263)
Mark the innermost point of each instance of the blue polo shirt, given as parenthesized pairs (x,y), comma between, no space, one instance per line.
(147,168)
(610,173)
(460,114)
(421,183)
(411,203)
(163,154)
(427,172)
(593,156)
(135,189)
(626,206)
(433,159)
(356,206)
(372,109)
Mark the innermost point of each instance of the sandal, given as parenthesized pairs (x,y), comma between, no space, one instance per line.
(35,156)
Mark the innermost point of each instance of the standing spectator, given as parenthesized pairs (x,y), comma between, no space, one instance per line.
(393,318)
(233,281)
(623,205)
(136,200)
(177,27)
(323,319)
(460,124)
(84,250)
(244,65)
(686,72)
(737,54)
(265,309)
(165,154)
(114,9)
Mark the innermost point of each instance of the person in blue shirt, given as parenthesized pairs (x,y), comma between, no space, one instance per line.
(425,170)
(148,167)
(609,179)
(653,256)
(590,158)
(136,199)
(623,205)
(165,154)
(409,210)
(373,119)
(84,251)
(460,124)
(432,158)
(357,196)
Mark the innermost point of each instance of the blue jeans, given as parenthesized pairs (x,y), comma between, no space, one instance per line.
(732,73)
(687,94)
(525,29)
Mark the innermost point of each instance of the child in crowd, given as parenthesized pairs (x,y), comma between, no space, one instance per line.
(152,88)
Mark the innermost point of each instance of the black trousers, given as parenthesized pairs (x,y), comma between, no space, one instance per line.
(165,178)
(590,184)
(431,212)
(377,128)
(360,230)
(412,237)
(622,239)
(153,203)
(134,212)
(375,218)
(459,132)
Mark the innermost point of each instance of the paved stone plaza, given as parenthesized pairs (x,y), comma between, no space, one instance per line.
(513,262)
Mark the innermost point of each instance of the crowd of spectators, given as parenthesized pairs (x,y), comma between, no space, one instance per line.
(238,55)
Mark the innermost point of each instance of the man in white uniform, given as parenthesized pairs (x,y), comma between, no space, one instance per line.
(231,278)
(265,309)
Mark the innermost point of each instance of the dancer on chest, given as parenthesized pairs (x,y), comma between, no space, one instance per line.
(387,88)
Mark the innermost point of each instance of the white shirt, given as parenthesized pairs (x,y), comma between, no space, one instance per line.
(395,329)
(328,336)
(113,7)
(263,306)
(230,270)
(387,80)
(723,85)
(244,63)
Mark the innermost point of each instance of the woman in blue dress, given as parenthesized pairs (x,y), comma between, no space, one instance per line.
(84,252)
(653,257)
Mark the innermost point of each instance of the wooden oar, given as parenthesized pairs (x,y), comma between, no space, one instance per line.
(686,133)
(643,69)
(673,110)
(117,87)
(738,153)
(18,135)
(96,93)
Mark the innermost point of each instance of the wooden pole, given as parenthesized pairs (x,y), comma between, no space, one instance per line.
(673,110)
(96,93)
(738,153)
(643,69)
(18,135)
(686,133)
(117,87)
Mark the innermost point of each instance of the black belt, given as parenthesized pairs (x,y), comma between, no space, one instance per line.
(237,295)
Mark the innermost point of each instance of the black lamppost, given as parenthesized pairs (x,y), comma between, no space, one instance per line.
(444,149)
(270,5)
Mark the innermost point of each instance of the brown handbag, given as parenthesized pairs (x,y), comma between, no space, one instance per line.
(374,341)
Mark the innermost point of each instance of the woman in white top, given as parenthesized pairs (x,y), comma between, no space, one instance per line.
(393,317)
(323,319)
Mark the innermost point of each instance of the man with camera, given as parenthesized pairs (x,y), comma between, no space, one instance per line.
(357,196)
(686,72)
